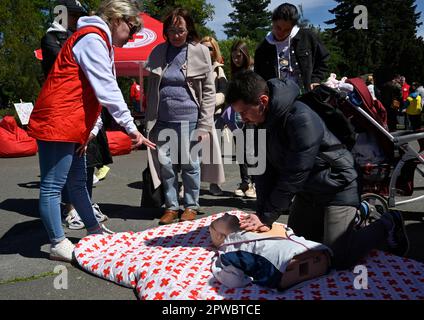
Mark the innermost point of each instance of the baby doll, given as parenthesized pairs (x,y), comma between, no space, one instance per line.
(332,82)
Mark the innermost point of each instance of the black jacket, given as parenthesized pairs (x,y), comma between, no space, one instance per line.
(309,59)
(51,44)
(303,156)
(98,152)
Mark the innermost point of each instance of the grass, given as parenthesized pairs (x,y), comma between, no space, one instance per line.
(7,112)
(32,278)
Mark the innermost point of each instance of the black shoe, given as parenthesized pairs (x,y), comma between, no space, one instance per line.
(397,240)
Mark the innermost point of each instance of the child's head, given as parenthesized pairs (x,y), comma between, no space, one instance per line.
(240,57)
(222,227)
(369,80)
(414,87)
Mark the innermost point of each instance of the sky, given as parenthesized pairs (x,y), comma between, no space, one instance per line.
(315,11)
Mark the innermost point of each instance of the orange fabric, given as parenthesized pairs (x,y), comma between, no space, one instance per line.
(67,108)
(14,141)
(119,143)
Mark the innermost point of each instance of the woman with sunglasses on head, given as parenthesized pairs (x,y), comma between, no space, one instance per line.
(180,105)
(218,71)
(66,115)
(220,86)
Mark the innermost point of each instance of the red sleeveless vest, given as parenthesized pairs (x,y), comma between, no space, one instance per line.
(66,109)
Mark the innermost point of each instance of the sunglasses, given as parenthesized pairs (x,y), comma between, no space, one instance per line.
(133,29)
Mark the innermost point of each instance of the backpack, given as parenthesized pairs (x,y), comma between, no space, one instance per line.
(325,102)
(151,197)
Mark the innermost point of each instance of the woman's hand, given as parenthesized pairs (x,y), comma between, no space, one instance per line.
(202,135)
(137,139)
(82,149)
(251,222)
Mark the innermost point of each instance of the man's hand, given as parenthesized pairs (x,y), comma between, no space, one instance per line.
(251,222)
(82,149)
(137,139)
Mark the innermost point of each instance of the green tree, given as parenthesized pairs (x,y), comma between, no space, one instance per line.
(250,19)
(22,26)
(337,60)
(92,5)
(201,11)
(388,46)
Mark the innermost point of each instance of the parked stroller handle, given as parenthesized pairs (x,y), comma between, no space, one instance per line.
(407,138)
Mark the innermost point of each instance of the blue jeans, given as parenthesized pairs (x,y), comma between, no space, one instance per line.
(175,155)
(65,192)
(59,164)
(136,106)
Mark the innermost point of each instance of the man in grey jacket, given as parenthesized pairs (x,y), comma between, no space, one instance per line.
(304,159)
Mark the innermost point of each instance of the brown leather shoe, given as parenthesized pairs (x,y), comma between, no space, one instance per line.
(168,217)
(188,215)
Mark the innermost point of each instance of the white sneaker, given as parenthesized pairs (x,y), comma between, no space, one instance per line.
(95,179)
(102,230)
(73,220)
(239,192)
(181,193)
(251,192)
(63,251)
(100,216)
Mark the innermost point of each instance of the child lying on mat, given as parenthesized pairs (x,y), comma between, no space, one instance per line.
(276,259)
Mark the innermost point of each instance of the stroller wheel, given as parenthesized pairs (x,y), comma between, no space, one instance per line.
(377,205)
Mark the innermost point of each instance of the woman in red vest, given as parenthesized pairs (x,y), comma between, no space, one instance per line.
(66,114)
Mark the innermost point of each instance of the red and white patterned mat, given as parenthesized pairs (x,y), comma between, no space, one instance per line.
(173,262)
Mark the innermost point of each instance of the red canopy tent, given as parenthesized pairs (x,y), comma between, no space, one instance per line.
(130,59)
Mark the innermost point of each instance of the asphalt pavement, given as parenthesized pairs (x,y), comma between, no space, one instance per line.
(27,273)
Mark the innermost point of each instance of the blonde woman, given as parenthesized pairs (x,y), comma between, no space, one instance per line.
(66,115)
(220,86)
(218,72)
